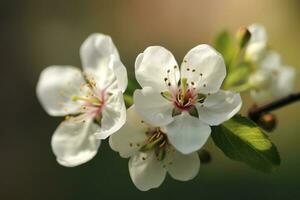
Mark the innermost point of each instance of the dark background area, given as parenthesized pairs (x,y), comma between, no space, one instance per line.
(37,33)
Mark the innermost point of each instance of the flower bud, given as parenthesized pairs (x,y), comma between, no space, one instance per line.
(268,122)
(204,156)
(243,36)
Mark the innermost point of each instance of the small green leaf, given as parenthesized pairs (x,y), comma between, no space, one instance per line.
(238,76)
(131,87)
(242,140)
(225,45)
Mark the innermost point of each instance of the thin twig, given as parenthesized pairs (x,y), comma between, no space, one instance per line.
(255,112)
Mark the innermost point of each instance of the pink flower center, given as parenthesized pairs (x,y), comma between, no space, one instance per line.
(185,96)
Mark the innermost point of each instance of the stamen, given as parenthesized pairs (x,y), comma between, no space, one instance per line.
(167,95)
(160,154)
(93,100)
(151,144)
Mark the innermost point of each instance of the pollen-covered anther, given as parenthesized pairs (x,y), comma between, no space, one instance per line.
(157,141)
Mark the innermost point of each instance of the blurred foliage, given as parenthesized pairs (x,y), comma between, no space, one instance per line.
(224,43)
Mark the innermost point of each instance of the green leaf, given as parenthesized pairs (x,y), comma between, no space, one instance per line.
(237,76)
(131,87)
(242,140)
(225,45)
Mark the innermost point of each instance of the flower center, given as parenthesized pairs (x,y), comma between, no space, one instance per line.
(157,141)
(92,103)
(185,96)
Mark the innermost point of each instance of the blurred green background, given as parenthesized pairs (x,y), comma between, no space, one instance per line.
(38,33)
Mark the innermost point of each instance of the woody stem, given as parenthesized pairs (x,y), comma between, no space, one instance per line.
(255,112)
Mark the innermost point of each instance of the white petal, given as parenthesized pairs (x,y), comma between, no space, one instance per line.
(187,133)
(182,167)
(204,66)
(153,107)
(120,73)
(113,116)
(129,139)
(262,96)
(96,51)
(281,84)
(101,62)
(258,33)
(219,107)
(74,143)
(261,79)
(257,44)
(55,88)
(146,171)
(151,68)
(284,84)
(271,61)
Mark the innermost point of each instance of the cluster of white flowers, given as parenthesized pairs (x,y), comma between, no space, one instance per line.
(172,114)
(271,79)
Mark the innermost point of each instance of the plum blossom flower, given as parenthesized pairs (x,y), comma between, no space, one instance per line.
(187,101)
(270,79)
(151,154)
(92,100)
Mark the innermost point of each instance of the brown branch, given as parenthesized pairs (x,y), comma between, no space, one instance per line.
(256,112)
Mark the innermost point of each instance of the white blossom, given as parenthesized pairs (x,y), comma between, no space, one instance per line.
(187,101)
(151,155)
(92,100)
(270,79)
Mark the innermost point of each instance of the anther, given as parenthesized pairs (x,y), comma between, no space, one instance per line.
(162,144)
(193,70)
